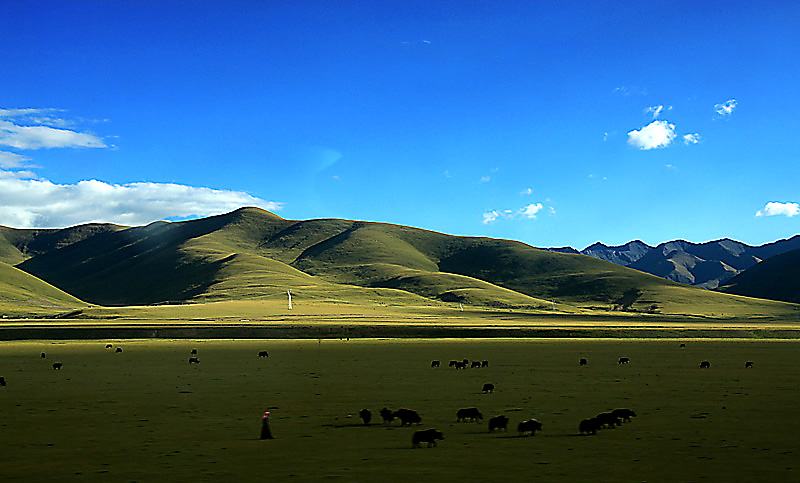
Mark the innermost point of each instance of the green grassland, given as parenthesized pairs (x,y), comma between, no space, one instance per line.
(147,415)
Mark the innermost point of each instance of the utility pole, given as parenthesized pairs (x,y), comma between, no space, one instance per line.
(289,293)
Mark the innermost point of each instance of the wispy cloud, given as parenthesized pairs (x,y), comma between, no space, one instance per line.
(657,110)
(31,128)
(12,160)
(526,191)
(775,208)
(691,138)
(529,211)
(36,203)
(485,179)
(726,108)
(657,134)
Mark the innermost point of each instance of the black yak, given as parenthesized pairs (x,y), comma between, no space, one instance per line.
(608,420)
(468,413)
(705,365)
(428,436)
(387,416)
(119,349)
(623,414)
(485,364)
(748,365)
(624,360)
(57,366)
(194,352)
(194,360)
(529,426)
(44,355)
(365,415)
(109,346)
(452,364)
(589,426)
(2,381)
(475,364)
(407,417)
(582,362)
(498,422)
(488,387)
(434,363)
(263,354)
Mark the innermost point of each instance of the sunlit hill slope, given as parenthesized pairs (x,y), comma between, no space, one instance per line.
(251,253)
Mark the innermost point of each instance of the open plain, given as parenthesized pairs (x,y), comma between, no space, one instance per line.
(146,414)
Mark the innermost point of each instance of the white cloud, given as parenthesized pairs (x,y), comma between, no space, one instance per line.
(726,108)
(485,179)
(12,160)
(490,217)
(39,203)
(531,210)
(36,129)
(692,138)
(774,208)
(657,110)
(657,134)
(527,191)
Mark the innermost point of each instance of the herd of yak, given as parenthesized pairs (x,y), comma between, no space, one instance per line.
(407,417)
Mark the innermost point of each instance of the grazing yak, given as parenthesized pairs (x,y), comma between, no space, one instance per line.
(468,413)
(624,360)
(119,349)
(498,422)
(488,387)
(434,363)
(263,354)
(589,426)
(44,355)
(748,365)
(407,417)
(461,365)
(194,360)
(194,352)
(475,364)
(682,346)
(387,416)
(2,381)
(529,426)
(452,364)
(623,414)
(428,436)
(365,415)
(485,364)
(582,362)
(109,346)
(57,366)
(608,420)
(705,365)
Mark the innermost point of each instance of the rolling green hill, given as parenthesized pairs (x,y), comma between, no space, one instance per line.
(22,293)
(251,253)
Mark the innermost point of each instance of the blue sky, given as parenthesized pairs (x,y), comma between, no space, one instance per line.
(550,122)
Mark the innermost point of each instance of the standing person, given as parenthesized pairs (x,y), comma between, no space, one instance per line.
(265,431)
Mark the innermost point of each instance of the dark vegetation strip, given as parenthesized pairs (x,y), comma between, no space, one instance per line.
(374,331)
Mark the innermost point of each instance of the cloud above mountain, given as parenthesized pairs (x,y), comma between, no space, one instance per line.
(37,203)
(776,208)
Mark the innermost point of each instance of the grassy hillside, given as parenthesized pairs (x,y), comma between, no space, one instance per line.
(22,293)
(251,253)
(776,278)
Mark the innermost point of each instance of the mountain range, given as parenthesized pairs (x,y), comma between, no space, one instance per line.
(707,265)
(251,253)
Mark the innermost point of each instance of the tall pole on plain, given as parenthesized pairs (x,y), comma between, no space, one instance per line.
(289,293)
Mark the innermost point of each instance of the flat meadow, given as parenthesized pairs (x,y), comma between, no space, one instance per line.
(146,414)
